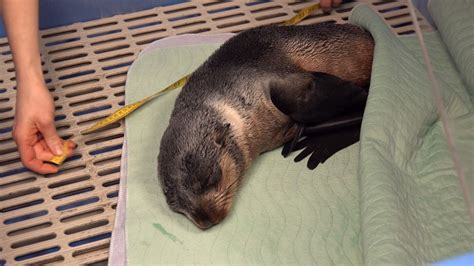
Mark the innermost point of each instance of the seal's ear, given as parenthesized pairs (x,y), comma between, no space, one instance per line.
(220,134)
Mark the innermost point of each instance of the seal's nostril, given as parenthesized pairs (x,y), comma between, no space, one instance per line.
(206,224)
(202,218)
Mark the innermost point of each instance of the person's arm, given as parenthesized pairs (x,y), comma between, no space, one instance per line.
(34,131)
(327,5)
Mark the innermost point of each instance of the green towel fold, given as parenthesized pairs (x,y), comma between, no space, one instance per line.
(413,210)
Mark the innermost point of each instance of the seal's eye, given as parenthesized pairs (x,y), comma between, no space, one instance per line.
(214,178)
(220,134)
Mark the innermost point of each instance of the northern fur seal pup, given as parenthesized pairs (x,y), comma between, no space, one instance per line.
(224,117)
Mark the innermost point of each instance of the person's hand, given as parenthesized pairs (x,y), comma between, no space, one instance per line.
(327,5)
(34,131)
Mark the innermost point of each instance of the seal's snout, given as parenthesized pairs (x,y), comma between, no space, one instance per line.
(206,217)
(206,224)
(202,219)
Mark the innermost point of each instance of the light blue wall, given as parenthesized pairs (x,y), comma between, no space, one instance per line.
(54,13)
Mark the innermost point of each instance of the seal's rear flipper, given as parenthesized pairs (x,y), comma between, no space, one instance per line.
(328,111)
(323,140)
(323,146)
(336,124)
(290,146)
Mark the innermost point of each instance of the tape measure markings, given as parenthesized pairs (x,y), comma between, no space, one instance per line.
(126,110)
(301,15)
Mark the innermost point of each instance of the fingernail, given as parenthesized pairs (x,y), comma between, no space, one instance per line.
(58,150)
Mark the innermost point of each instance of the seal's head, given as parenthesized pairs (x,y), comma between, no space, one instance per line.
(197,167)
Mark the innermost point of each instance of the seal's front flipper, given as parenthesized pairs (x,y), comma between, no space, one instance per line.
(316,97)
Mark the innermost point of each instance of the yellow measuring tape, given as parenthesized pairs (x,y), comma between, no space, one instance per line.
(126,110)
(301,15)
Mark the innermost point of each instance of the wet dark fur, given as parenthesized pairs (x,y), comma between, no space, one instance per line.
(204,153)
